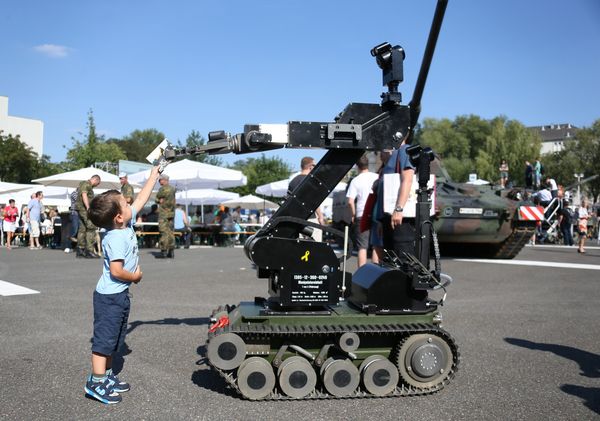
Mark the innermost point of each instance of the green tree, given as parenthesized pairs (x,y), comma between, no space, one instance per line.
(18,162)
(260,171)
(139,143)
(470,144)
(510,140)
(450,143)
(580,156)
(92,148)
(196,139)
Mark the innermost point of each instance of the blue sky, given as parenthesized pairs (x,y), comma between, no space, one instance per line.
(189,65)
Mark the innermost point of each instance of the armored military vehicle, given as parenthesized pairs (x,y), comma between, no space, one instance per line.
(478,220)
(324,332)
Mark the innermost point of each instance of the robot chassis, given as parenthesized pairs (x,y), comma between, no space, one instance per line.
(313,338)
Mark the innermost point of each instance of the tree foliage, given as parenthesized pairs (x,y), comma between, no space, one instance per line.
(139,143)
(20,164)
(17,160)
(260,171)
(92,148)
(581,156)
(470,144)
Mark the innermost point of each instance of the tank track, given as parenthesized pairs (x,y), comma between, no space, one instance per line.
(402,330)
(510,247)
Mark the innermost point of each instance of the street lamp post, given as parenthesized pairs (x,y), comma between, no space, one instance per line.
(578,176)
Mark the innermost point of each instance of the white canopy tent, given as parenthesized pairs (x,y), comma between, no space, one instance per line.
(53,196)
(274,189)
(201,197)
(13,187)
(186,174)
(280,188)
(73,178)
(204,197)
(250,202)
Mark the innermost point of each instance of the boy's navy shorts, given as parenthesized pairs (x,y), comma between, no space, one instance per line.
(111,312)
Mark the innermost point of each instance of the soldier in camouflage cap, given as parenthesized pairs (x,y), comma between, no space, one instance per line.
(166,213)
(126,189)
(86,234)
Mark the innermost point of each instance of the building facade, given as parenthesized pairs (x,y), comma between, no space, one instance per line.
(554,136)
(31,131)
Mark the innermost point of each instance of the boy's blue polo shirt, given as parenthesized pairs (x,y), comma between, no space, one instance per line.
(118,244)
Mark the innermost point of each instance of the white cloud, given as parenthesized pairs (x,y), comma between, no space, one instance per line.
(52,50)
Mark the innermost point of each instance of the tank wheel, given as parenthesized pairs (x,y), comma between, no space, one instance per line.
(349,342)
(340,377)
(297,377)
(379,375)
(424,360)
(256,378)
(226,351)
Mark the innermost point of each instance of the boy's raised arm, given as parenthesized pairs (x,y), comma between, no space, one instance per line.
(143,195)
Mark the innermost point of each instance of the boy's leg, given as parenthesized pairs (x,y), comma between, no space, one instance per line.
(99,365)
(108,315)
(125,305)
(98,384)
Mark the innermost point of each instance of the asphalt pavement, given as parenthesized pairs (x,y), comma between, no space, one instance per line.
(527,333)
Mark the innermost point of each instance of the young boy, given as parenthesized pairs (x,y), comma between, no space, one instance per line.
(111,300)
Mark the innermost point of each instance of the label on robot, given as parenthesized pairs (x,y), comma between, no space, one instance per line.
(310,288)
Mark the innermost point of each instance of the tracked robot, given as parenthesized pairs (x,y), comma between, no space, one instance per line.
(323,332)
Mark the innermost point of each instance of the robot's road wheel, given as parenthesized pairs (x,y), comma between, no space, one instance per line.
(256,378)
(424,360)
(379,375)
(297,378)
(226,351)
(349,342)
(340,377)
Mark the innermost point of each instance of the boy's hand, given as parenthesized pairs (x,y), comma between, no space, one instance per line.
(138,274)
(155,170)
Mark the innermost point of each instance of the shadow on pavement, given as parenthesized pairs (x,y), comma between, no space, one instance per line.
(590,395)
(190,321)
(589,364)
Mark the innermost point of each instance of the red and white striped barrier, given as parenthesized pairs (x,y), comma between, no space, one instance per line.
(531,213)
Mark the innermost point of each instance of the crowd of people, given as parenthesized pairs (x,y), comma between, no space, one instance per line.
(564,216)
(33,222)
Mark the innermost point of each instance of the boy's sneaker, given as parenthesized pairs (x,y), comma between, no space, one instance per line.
(117,385)
(102,391)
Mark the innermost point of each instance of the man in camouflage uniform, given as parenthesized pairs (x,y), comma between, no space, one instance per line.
(86,234)
(126,189)
(166,213)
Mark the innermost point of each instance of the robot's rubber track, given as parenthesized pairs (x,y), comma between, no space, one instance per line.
(401,330)
(515,242)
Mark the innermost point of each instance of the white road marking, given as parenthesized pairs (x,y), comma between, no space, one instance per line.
(532,263)
(560,246)
(6,289)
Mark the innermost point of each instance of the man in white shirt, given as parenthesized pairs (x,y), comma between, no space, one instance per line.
(553,187)
(359,189)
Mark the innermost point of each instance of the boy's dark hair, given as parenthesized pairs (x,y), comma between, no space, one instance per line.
(104,208)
